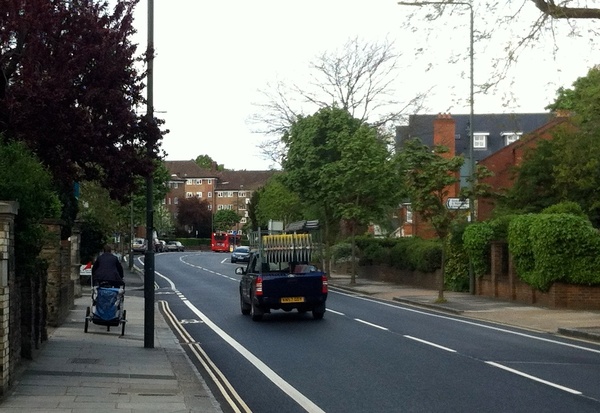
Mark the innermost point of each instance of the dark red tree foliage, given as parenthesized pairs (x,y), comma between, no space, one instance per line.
(70,89)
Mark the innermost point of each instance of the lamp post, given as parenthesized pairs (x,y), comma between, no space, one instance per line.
(149,255)
(471,113)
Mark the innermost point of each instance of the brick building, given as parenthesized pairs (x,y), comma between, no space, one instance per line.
(492,133)
(222,189)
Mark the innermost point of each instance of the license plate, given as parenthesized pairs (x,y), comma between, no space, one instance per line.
(292,300)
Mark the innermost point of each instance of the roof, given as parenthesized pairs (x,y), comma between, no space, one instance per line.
(190,169)
(249,180)
(495,124)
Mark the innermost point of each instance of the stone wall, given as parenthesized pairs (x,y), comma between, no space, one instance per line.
(9,309)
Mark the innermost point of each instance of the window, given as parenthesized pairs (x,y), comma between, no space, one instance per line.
(210,194)
(229,194)
(164,201)
(209,181)
(241,194)
(199,194)
(220,194)
(175,200)
(209,207)
(409,214)
(169,201)
(189,181)
(189,194)
(219,207)
(243,220)
(480,140)
(198,181)
(510,137)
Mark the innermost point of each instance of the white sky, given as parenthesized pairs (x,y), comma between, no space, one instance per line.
(212,58)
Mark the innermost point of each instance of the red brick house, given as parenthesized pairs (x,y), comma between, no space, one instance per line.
(503,162)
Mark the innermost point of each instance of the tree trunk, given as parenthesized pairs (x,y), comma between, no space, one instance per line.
(353,271)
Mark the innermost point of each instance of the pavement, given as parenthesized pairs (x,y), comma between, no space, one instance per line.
(101,371)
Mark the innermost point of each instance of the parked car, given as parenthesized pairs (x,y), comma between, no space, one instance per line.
(175,246)
(241,253)
(139,245)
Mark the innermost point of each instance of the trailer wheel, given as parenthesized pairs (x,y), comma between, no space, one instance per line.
(87,320)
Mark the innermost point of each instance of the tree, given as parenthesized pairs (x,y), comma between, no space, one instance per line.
(365,184)
(357,78)
(567,167)
(194,215)
(225,219)
(70,89)
(340,166)
(277,202)
(428,177)
(205,161)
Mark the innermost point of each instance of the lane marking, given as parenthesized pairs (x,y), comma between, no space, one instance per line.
(429,343)
(472,323)
(329,310)
(277,380)
(226,389)
(520,373)
(371,324)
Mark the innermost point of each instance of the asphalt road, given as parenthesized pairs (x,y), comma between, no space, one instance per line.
(368,355)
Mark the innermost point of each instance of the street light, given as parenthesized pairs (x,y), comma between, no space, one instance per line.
(149,255)
(471,102)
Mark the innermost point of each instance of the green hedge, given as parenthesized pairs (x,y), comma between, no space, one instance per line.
(555,247)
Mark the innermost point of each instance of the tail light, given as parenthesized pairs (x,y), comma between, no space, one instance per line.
(324,284)
(258,286)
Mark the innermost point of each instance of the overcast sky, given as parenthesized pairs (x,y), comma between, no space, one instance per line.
(213,57)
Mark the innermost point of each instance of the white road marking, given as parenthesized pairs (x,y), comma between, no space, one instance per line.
(371,324)
(520,373)
(473,323)
(277,380)
(429,343)
(329,310)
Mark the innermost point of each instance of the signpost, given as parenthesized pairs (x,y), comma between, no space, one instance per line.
(457,203)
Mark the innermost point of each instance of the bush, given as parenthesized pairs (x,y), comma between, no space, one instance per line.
(565,207)
(476,243)
(375,254)
(341,251)
(555,247)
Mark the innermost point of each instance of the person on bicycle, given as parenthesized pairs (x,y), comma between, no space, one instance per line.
(108,269)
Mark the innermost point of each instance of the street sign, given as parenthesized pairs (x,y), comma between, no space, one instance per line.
(457,203)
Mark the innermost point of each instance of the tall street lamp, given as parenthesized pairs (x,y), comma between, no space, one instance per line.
(149,255)
(471,102)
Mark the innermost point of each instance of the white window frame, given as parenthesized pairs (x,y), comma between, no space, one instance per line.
(510,137)
(219,194)
(409,214)
(198,182)
(209,181)
(199,194)
(480,140)
(229,194)
(210,194)
(175,201)
(189,194)
(189,181)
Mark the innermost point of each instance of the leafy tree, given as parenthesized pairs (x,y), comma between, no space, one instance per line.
(365,182)
(24,179)
(338,165)
(225,219)
(76,59)
(194,215)
(279,203)
(205,161)
(565,168)
(428,177)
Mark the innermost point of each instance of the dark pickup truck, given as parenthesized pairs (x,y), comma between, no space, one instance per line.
(265,287)
(279,276)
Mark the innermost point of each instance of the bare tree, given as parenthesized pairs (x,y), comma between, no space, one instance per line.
(358,77)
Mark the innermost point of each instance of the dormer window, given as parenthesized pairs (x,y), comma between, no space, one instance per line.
(480,140)
(510,137)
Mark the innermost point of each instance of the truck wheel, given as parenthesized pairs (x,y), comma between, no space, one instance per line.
(318,312)
(255,312)
(245,307)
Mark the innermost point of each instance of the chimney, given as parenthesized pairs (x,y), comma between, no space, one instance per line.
(213,166)
(444,133)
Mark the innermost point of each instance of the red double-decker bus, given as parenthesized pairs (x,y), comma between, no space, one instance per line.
(224,241)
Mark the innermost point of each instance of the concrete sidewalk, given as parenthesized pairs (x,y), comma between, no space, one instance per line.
(100,371)
(581,324)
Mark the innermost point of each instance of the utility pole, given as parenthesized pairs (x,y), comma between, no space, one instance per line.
(149,255)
